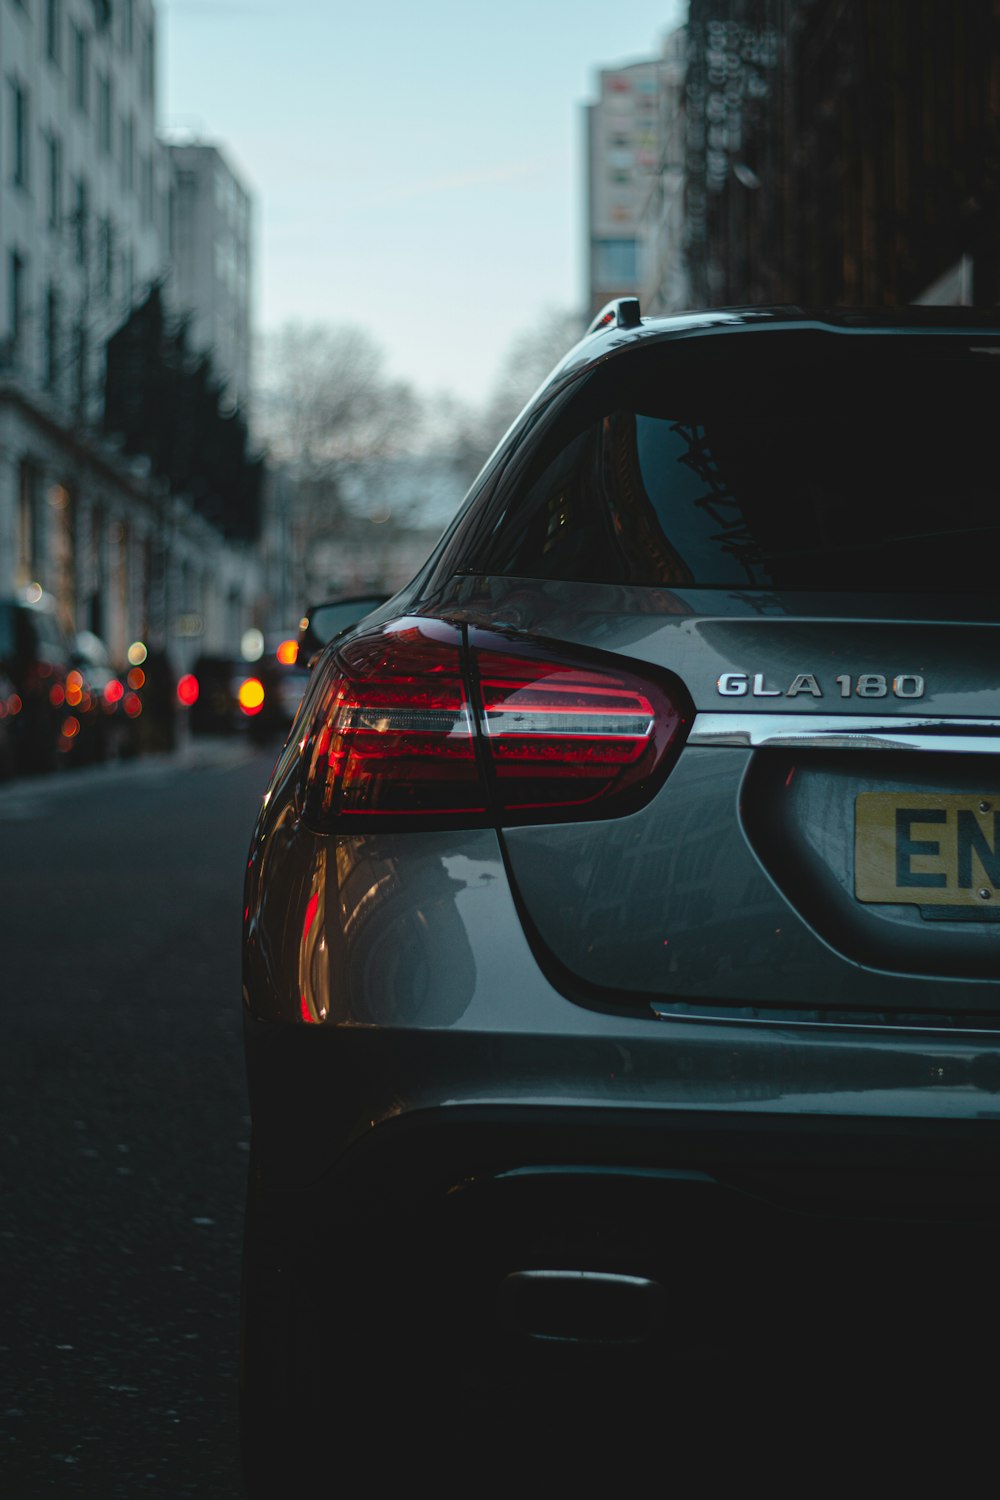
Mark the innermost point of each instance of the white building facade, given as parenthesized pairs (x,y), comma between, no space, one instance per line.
(82,195)
(83,235)
(635,182)
(622,157)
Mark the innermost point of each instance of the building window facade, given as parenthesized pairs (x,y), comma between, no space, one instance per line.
(54,152)
(17,280)
(106,257)
(62,552)
(51,351)
(53,30)
(81,364)
(147,65)
(20,134)
(616,262)
(146,190)
(27,528)
(81,69)
(81,220)
(97,573)
(104,114)
(128,153)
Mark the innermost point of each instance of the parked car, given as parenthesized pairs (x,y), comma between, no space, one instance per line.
(107,703)
(622,923)
(259,698)
(35,658)
(214,705)
(9,701)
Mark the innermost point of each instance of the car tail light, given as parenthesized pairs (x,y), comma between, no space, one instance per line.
(394,736)
(415,723)
(562,736)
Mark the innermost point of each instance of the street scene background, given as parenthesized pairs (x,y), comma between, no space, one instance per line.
(273,283)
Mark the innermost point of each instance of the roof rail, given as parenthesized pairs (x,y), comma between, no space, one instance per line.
(623,312)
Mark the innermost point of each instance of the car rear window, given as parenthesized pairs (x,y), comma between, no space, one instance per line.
(820,462)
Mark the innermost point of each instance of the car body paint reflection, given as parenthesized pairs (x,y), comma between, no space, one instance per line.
(402,961)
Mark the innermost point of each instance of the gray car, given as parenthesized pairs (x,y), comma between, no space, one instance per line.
(623,918)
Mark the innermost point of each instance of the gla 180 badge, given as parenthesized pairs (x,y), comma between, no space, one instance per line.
(866,685)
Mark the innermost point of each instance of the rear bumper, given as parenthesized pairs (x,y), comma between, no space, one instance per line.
(356,1119)
(567,1253)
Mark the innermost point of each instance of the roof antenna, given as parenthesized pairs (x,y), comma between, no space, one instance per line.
(623,312)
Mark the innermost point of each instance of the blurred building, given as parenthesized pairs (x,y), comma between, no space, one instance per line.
(82,218)
(282,600)
(740,145)
(622,156)
(210,258)
(81,188)
(635,182)
(664,282)
(83,240)
(843,152)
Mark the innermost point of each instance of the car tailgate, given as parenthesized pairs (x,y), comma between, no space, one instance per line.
(829,839)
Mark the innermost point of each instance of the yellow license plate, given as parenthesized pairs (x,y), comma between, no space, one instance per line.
(927,848)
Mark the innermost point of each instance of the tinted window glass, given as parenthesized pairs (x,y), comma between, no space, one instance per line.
(852,464)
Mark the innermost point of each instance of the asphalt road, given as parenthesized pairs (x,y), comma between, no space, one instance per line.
(125,1125)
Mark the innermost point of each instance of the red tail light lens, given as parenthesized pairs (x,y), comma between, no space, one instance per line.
(395,735)
(405,732)
(563,736)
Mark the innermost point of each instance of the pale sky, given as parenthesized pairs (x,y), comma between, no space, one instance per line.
(416,167)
